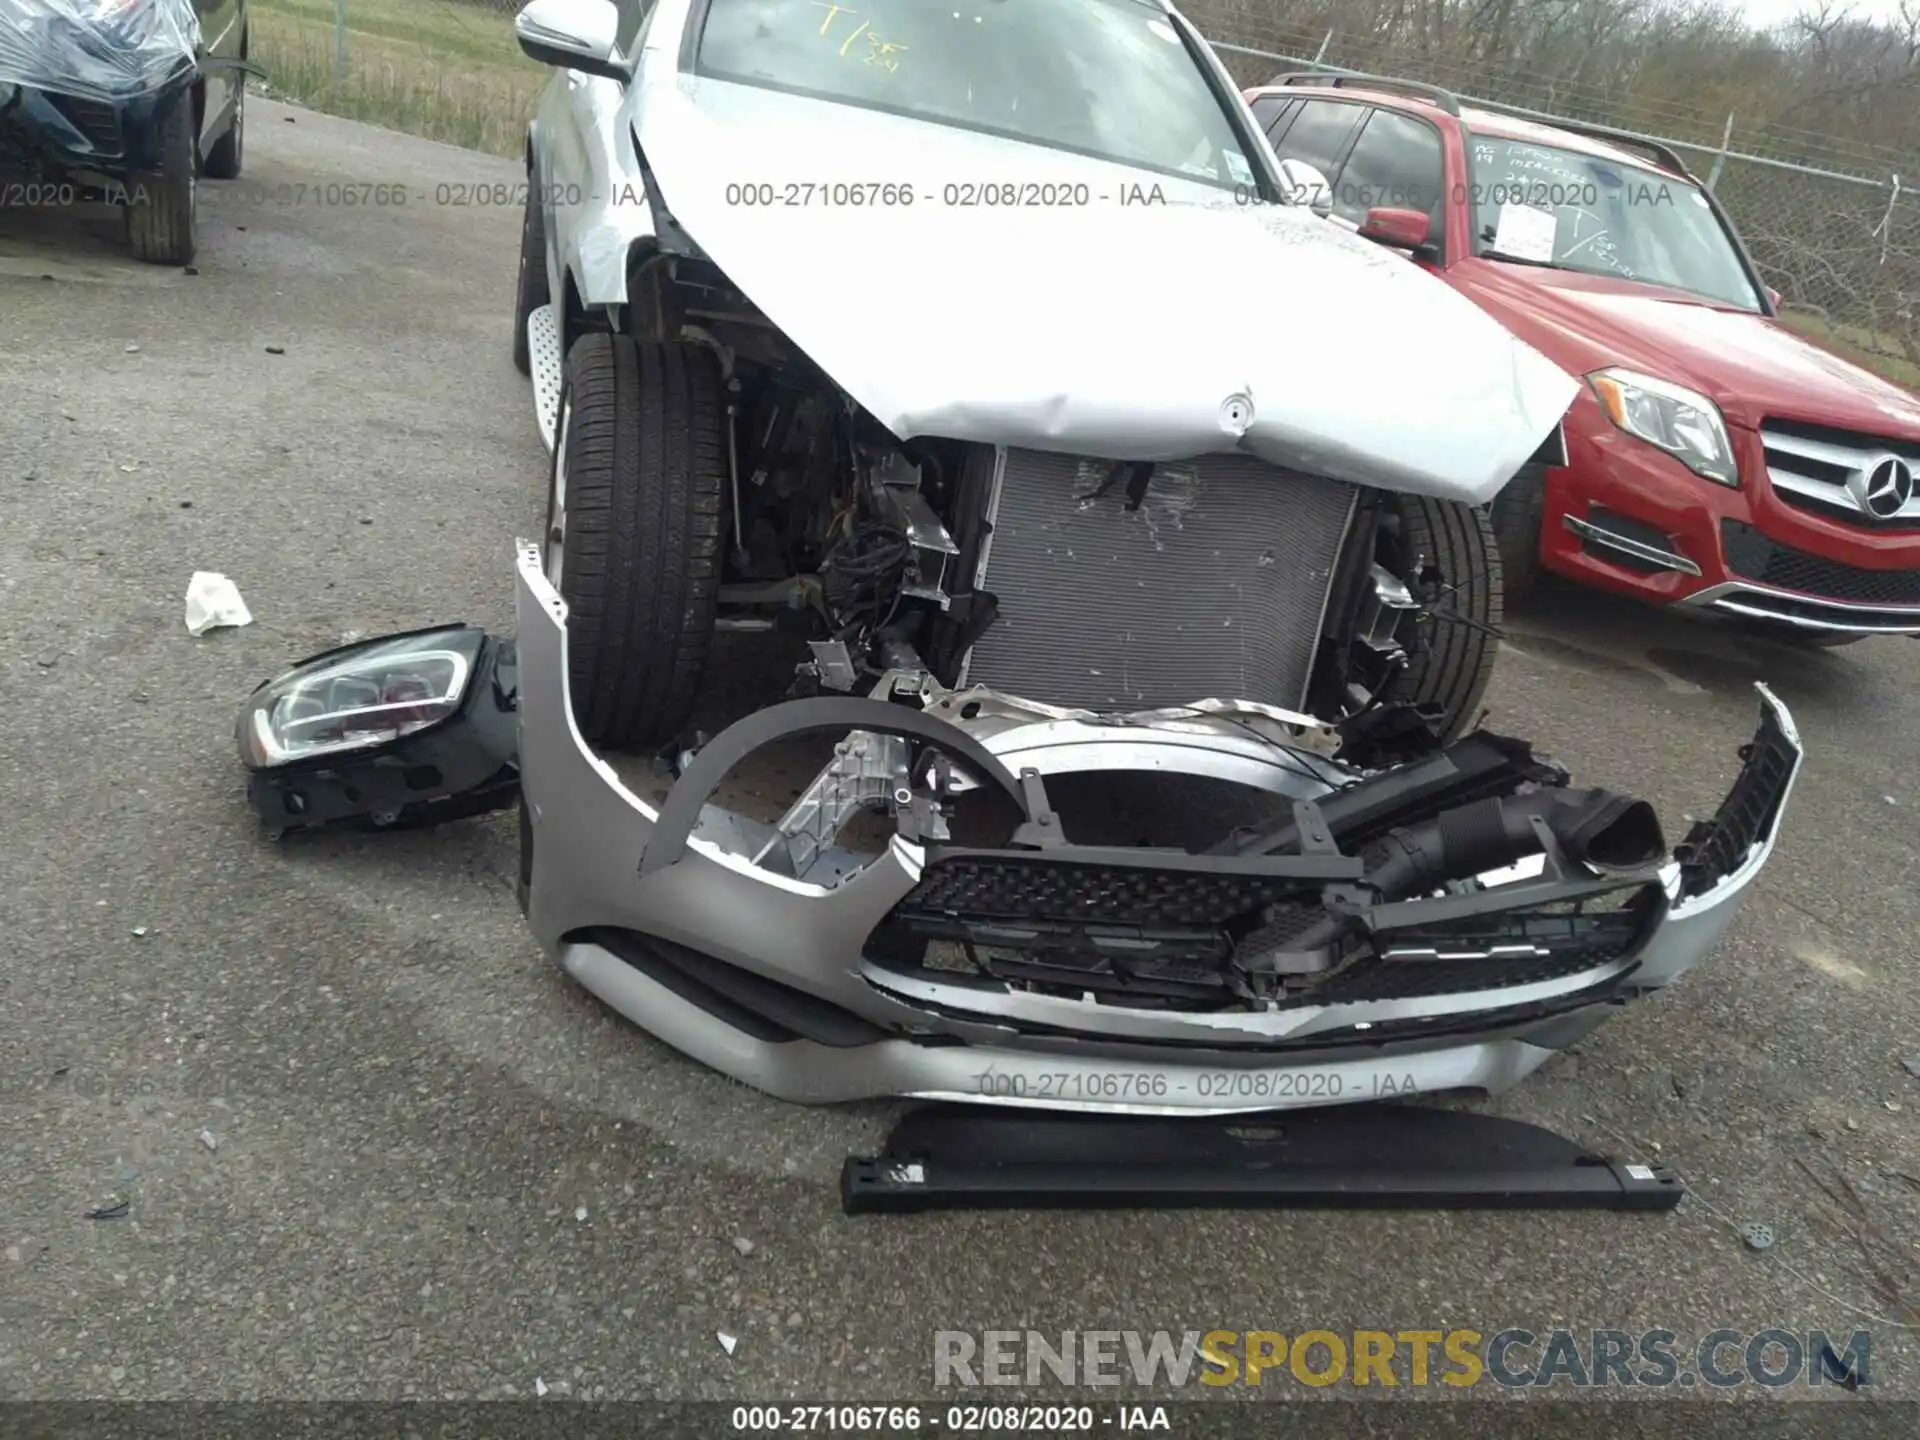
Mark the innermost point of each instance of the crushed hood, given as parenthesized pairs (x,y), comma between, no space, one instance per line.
(1139,323)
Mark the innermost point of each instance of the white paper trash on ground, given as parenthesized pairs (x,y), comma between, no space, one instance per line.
(214,600)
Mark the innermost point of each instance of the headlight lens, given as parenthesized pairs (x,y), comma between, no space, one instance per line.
(1682,422)
(359,697)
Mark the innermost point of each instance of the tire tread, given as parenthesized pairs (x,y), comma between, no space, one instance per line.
(1518,512)
(646,478)
(160,226)
(1453,668)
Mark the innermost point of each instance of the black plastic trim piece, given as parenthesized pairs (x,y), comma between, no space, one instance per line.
(645,956)
(1715,847)
(1472,768)
(718,756)
(1552,451)
(1409,915)
(1345,1157)
(1332,668)
(1307,869)
(712,984)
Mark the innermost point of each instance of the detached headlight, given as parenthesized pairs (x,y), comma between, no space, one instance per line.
(358,698)
(1682,422)
(409,727)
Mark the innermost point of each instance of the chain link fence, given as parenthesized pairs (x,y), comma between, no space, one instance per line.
(1830,223)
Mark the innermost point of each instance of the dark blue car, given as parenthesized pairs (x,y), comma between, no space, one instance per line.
(125,100)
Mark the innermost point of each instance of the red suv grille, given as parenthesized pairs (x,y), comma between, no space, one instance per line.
(1818,469)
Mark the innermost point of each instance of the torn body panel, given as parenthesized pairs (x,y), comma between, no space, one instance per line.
(1129,978)
(1159,317)
(1055,331)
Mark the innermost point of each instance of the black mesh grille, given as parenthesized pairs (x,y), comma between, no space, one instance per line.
(1375,979)
(1574,936)
(1159,937)
(98,122)
(1753,555)
(1096,894)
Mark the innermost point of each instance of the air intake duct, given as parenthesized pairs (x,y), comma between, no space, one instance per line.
(1615,834)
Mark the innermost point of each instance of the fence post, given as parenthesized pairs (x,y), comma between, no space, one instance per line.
(339,41)
(1325,41)
(1885,228)
(1726,137)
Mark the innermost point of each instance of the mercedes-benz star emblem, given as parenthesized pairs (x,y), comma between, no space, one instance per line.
(1884,488)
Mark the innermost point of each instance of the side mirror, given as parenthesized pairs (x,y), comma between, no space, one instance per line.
(1774,298)
(1304,184)
(574,35)
(1402,229)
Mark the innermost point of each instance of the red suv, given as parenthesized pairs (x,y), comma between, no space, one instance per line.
(1714,458)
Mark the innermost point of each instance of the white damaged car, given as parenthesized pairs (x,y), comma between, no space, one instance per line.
(1115,531)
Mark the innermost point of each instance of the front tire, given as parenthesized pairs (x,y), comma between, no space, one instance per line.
(1518,512)
(161,204)
(1449,549)
(634,519)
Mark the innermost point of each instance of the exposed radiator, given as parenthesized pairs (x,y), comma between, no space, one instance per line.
(1215,586)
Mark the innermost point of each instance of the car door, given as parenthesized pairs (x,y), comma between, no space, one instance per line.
(1397,162)
(591,193)
(223,25)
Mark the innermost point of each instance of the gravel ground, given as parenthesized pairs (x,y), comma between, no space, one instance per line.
(373,1146)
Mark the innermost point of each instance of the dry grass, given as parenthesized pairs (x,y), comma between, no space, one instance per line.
(446,71)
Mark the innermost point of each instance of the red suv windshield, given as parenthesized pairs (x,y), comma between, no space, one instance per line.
(1544,205)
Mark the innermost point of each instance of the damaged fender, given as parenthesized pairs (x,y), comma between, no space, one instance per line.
(675,916)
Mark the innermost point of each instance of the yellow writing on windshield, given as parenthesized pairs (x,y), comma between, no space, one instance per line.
(878,52)
(881,52)
(832,12)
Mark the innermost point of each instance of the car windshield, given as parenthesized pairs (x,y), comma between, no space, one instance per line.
(1107,78)
(1545,205)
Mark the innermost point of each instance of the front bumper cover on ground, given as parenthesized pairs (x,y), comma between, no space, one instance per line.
(773,978)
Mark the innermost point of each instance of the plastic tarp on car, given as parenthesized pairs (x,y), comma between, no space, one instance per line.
(105,50)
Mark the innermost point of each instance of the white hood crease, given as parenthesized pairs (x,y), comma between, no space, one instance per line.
(1146,331)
